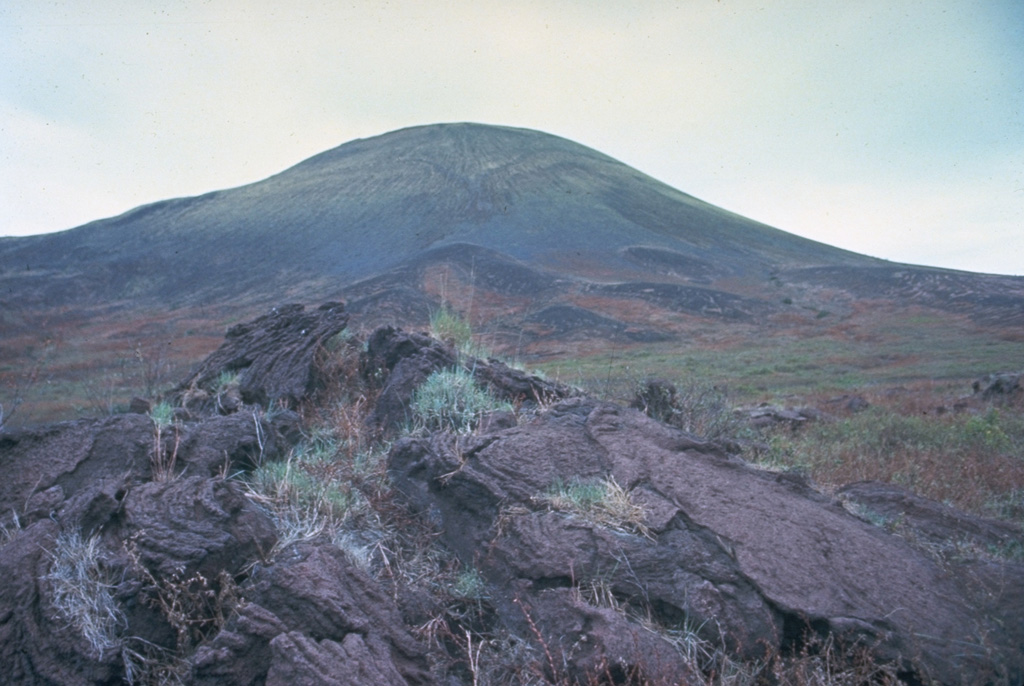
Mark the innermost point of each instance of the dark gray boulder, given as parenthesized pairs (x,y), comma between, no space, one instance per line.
(43,467)
(296,659)
(317,618)
(1001,386)
(194,525)
(927,521)
(273,356)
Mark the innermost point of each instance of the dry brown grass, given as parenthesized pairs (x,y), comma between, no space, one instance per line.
(603,502)
(972,458)
(65,364)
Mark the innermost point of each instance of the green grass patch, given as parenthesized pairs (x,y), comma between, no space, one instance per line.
(451,400)
(225,380)
(469,585)
(319,489)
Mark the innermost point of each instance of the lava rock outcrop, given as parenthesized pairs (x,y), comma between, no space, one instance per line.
(681,533)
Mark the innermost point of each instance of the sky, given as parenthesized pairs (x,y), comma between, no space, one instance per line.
(892,128)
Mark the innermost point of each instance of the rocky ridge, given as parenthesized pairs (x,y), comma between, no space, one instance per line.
(582,542)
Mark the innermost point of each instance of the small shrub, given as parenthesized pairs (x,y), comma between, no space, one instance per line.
(451,400)
(163,460)
(698,408)
(986,432)
(194,606)
(339,381)
(469,585)
(162,414)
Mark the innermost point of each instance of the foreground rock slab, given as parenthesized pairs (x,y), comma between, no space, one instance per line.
(314,618)
(754,560)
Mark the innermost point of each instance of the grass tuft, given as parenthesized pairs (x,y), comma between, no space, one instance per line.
(696,407)
(450,327)
(83,587)
(469,585)
(225,381)
(603,502)
(163,461)
(162,414)
(451,400)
